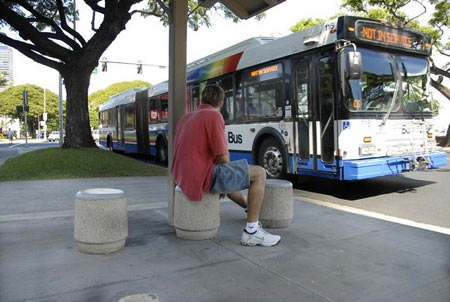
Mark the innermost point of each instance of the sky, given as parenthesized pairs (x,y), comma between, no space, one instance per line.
(147,40)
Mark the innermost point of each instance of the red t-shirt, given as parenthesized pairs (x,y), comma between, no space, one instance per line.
(199,138)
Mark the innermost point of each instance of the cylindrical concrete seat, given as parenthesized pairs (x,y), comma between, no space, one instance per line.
(101,220)
(196,220)
(277,207)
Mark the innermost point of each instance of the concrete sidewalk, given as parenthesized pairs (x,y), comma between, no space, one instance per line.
(325,255)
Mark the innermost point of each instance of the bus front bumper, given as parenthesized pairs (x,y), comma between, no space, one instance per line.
(376,167)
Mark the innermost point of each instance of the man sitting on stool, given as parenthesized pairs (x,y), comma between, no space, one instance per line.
(201,165)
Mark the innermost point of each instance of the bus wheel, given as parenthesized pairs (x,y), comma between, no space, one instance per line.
(161,151)
(271,158)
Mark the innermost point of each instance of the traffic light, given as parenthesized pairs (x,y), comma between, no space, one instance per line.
(104,66)
(139,69)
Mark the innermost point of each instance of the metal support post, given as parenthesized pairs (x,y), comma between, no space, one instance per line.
(177,81)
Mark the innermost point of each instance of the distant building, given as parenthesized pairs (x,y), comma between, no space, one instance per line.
(6,65)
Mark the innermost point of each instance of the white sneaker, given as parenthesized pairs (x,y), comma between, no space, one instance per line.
(260,237)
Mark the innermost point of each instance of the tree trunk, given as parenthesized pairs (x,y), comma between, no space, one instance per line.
(441,88)
(446,141)
(78,132)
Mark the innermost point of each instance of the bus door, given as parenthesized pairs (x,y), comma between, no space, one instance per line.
(315,116)
(120,125)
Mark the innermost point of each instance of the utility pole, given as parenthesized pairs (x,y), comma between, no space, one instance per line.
(44,116)
(25,110)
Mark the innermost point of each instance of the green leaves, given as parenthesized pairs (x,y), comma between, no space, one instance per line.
(198,15)
(306,23)
(12,97)
(3,80)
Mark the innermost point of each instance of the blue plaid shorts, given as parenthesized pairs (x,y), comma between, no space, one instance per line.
(231,177)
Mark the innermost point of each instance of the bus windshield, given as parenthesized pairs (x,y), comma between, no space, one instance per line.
(375,90)
(416,96)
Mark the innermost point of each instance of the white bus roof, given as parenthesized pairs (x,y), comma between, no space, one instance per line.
(121,98)
(313,37)
(260,50)
(158,89)
(224,53)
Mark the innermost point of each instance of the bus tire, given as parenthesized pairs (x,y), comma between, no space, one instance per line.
(161,151)
(272,158)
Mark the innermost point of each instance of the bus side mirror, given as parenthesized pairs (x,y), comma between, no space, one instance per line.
(354,65)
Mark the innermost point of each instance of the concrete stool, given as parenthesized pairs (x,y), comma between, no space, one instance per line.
(101,221)
(196,220)
(277,207)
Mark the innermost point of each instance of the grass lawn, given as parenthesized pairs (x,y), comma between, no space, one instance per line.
(57,163)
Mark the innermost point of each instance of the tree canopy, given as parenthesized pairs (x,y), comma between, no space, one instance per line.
(306,23)
(101,96)
(12,97)
(46,35)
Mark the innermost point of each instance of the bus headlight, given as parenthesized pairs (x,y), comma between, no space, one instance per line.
(367,150)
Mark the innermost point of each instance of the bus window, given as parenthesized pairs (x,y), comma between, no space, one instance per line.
(195,97)
(153,111)
(262,100)
(416,94)
(375,90)
(302,108)
(228,103)
(164,108)
(326,97)
(112,117)
(130,118)
(264,92)
(102,119)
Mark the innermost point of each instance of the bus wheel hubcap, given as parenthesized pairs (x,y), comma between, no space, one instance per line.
(273,161)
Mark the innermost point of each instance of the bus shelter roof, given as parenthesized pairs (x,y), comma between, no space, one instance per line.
(244,9)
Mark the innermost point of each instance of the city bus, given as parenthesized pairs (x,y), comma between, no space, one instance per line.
(349,99)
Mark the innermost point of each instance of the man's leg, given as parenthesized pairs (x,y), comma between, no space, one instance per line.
(255,192)
(238,198)
(253,233)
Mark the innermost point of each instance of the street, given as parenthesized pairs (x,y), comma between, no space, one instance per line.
(19,147)
(419,196)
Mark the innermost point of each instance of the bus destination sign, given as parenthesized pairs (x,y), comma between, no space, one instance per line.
(390,36)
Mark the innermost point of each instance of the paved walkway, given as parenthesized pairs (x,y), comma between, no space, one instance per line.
(325,255)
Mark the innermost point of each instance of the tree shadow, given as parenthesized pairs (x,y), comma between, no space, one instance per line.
(355,190)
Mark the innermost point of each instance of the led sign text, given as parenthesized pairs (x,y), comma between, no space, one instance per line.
(264,70)
(386,37)
(390,36)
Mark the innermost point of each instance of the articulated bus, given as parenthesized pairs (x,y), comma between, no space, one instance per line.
(349,99)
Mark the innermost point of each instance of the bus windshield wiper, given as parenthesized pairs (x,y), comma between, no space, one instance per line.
(397,91)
